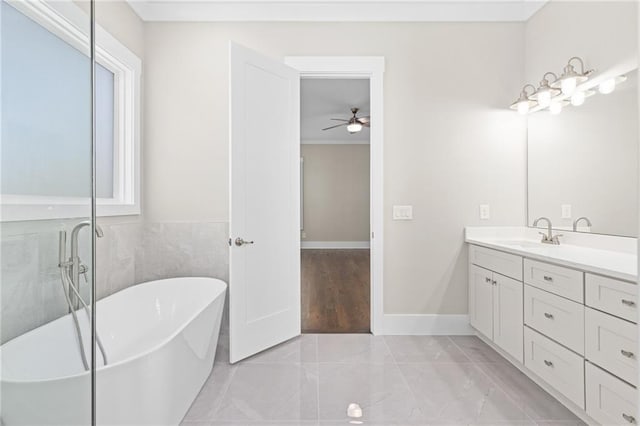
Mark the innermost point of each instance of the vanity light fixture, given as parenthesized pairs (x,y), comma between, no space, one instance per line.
(570,78)
(571,88)
(555,107)
(524,103)
(609,85)
(579,96)
(545,92)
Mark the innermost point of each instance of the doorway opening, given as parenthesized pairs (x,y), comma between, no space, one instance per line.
(335,205)
(264,188)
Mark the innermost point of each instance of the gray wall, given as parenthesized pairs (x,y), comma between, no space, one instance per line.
(336,192)
(450,142)
(599,166)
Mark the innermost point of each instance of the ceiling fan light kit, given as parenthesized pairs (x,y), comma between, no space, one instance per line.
(572,87)
(354,125)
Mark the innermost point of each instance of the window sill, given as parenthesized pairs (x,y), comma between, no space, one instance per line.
(35,211)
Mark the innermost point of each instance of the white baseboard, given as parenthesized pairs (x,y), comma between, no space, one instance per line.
(335,244)
(426,325)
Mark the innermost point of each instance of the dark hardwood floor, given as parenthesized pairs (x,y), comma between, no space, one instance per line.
(335,291)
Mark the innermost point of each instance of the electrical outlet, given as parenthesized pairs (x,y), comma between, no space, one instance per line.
(485,212)
(566,211)
(402,212)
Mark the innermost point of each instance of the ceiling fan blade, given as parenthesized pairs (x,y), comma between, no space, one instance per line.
(363,120)
(366,124)
(333,127)
(339,119)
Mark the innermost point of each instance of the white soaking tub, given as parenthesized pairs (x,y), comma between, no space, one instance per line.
(160,338)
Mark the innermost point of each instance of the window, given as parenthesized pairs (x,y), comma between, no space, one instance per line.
(46,121)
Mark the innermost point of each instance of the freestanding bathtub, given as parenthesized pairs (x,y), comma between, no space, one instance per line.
(160,338)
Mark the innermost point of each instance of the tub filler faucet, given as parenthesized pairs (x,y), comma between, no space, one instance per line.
(70,271)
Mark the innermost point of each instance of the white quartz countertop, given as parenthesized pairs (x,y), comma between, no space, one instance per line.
(597,254)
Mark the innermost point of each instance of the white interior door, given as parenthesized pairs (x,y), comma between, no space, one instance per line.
(264,287)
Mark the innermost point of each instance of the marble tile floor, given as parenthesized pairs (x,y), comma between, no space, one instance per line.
(397,380)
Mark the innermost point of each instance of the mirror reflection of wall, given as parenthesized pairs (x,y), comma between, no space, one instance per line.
(584,162)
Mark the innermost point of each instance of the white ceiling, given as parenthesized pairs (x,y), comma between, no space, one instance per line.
(337,10)
(323,99)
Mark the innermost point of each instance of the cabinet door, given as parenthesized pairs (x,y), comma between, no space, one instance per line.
(507,315)
(481,300)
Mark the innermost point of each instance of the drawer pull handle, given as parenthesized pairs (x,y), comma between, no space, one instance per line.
(629,418)
(628,354)
(628,302)
(548,315)
(494,282)
(487,280)
(548,363)
(548,278)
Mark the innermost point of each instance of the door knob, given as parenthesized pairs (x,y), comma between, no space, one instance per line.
(241,242)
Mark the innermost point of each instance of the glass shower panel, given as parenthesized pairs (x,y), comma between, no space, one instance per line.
(46,248)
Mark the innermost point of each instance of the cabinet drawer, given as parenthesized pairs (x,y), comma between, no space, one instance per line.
(610,401)
(612,344)
(562,281)
(556,365)
(615,297)
(506,264)
(555,317)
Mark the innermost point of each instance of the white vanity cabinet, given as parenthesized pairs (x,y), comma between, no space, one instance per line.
(573,331)
(557,318)
(495,300)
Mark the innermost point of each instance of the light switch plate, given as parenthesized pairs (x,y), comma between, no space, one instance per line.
(402,212)
(485,212)
(566,211)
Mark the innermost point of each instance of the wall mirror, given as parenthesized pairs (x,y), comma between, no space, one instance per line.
(583,163)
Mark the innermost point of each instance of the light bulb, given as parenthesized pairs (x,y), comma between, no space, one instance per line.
(577,98)
(568,85)
(354,127)
(544,98)
(354,410)
(523,107)
(555,108)
(607,86)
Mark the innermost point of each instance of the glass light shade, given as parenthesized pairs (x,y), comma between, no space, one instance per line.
(544,98)
(607,86)
(523,107)
(568,85)
(354,127)
(555,108)
(578,98)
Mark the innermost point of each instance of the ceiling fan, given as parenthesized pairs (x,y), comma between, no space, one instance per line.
(354,124)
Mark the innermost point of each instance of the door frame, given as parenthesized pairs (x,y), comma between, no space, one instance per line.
(372,68)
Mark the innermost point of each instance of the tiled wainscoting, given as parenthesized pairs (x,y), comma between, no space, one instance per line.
(128,254)
(135,253)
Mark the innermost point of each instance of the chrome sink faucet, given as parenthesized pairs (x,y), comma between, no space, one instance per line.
(547,238)
(578,220)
